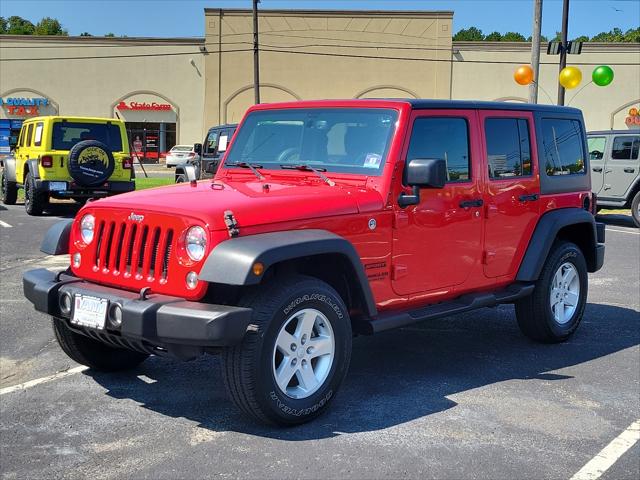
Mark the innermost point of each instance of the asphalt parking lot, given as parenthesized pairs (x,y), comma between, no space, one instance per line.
(459,398)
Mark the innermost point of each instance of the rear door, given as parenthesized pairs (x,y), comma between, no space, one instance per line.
(597,154)
(437,244)
(513,189)
(621,168)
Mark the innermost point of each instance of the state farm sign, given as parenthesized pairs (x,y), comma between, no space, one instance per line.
(143,106)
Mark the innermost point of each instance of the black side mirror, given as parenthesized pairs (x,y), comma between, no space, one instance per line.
(422,173)
(197,147)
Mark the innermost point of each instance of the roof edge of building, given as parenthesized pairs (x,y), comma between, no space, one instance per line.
(338,13)
(587,46)
(102,40)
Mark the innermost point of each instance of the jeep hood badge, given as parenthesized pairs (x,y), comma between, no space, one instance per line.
(135,217)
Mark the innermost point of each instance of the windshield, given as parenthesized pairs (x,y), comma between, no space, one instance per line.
(67,134)
(354,140)
(181,148)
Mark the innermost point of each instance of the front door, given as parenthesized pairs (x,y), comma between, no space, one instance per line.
(621,167)
(438,243)
(513,189)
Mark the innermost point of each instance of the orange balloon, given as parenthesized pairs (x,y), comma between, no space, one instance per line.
(523,75)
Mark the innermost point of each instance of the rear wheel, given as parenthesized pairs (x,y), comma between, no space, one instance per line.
(181,178)
(554,310)
(635,209)
(35,200)
(92,353)
(9,190)
(291,365)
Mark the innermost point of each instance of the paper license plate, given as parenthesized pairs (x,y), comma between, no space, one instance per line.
(89,311)
(57,186)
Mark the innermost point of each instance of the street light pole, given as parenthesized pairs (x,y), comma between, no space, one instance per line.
(256,62)
(535,50)
(563,47)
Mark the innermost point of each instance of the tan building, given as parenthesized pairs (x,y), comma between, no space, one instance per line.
(172,90)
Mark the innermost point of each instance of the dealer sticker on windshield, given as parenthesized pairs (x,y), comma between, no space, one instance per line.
(89,311)
(372,160)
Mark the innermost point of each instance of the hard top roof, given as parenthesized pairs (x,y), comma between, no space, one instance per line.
(614,132)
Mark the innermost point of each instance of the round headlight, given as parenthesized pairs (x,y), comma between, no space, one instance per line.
(196,243)
(87,225)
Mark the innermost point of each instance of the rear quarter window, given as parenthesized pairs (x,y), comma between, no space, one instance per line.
(563,152)
(625,148)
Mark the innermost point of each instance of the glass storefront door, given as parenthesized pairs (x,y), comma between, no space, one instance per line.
(149,141)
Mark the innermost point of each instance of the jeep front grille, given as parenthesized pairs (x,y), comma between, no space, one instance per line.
(133,250)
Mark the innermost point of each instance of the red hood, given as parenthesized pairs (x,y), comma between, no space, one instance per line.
(285,200)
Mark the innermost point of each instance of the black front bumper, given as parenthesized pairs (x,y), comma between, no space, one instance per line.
(159,321)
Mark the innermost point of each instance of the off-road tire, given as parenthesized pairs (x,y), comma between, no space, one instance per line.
(534,314)
(35,200)
(96,173)
(635,209)
(9,190)
(92,353)
(181,178)
(247,368)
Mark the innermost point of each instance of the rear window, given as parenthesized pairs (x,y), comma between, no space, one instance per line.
(563,151)
(67,134)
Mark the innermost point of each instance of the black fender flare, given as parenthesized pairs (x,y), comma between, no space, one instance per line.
(33,169)
(545,234)
(231,261)
(9,166)
(56,240)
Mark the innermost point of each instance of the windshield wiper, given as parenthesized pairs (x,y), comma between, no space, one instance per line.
(309,168)
(253,167)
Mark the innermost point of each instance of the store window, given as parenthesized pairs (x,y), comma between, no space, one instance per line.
(150,141)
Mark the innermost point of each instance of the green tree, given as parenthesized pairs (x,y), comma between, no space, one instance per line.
(86,34)
(581,38)
(3,25)
(110,34)
(493,37)
(615,35)
(632,35)
(513,37)
(19,26)
(49,26)
(471,34)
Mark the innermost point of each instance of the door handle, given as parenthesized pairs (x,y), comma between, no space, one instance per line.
(597,169)
(471,203)
(608,170)
(528,198)
(629,170)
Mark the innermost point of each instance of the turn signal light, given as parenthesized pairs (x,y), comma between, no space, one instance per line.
(127,163)
(46,161)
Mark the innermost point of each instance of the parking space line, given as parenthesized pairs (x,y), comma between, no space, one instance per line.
(610,454)
(622,231)
(5,224)
(38,381)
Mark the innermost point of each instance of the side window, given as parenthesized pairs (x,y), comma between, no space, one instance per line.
(562,147)
(21,137)
(29,139)
(625,148)
(508,147)
(446,138)
(596,147)
(37,141)
(211,142)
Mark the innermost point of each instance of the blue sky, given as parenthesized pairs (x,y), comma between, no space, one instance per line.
(184,18)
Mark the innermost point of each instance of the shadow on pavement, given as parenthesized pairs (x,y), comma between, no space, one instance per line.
(61,210)
(617,219)
(395,377)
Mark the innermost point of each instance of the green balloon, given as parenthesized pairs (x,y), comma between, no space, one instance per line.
(602,75)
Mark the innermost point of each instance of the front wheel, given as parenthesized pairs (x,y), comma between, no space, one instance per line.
(635,209)
(92,353)
(291,364)
(9,190)
(554,310)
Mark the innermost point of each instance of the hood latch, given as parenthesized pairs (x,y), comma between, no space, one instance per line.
(231,223)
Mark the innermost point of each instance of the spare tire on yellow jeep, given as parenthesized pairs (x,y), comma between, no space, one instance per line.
(90,163)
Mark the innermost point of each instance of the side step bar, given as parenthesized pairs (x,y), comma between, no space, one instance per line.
(465,303)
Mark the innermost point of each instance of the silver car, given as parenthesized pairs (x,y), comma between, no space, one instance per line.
(180,154)
(615,169)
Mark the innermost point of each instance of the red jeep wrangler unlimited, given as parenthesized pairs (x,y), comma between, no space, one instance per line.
(329,218)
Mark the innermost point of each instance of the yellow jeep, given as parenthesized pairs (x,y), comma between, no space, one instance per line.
(68,157)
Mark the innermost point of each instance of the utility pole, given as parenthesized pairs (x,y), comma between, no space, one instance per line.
(256,62)
(563,47)
(535,50)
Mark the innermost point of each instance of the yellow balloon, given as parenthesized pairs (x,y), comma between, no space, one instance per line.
(570,77)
